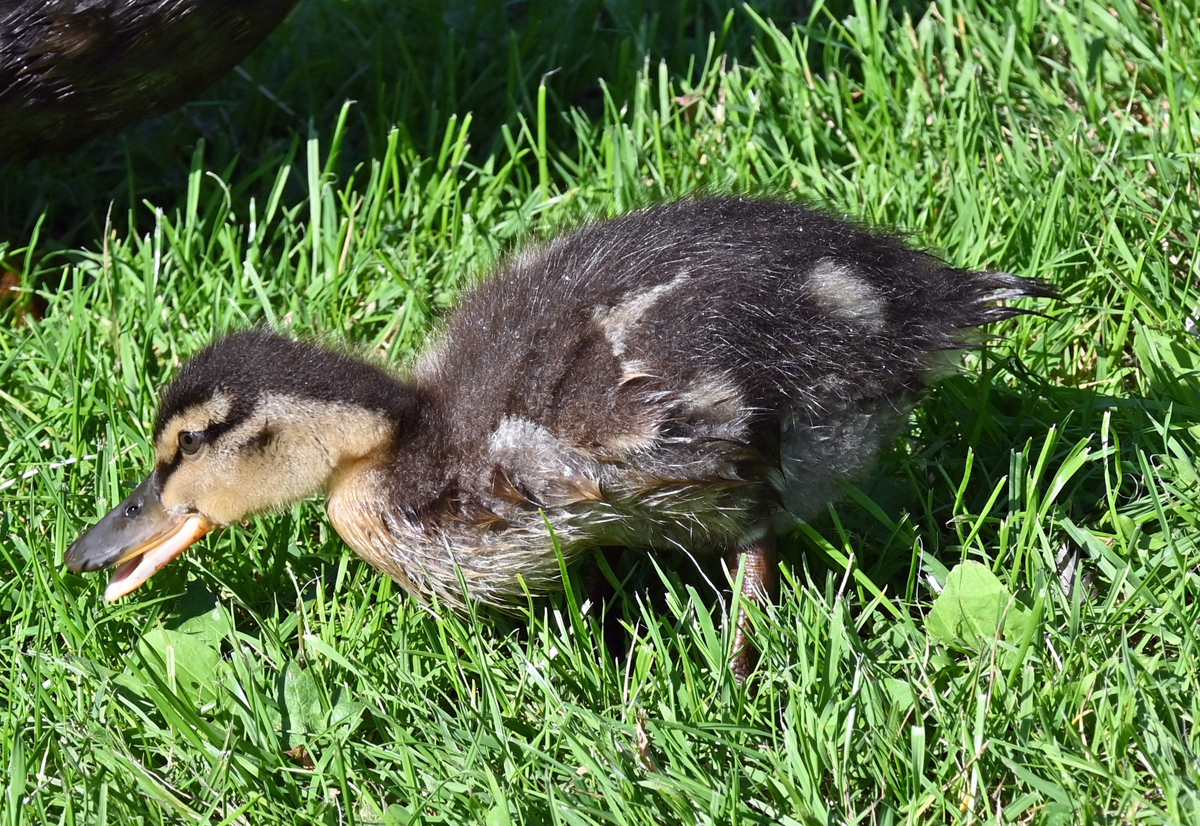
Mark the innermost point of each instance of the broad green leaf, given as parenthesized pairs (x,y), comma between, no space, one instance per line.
(192,667)
(974,607)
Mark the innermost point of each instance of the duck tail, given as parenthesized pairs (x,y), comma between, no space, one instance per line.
(992,290)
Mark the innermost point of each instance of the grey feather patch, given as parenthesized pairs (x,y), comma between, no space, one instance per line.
(837,289)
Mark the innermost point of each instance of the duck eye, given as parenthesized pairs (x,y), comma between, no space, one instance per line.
(190,441)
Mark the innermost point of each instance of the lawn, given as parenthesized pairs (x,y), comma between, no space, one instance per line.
(1000,626)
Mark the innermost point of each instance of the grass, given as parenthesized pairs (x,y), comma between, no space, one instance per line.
(269,677)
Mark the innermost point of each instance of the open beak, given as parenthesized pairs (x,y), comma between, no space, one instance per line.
(140,536)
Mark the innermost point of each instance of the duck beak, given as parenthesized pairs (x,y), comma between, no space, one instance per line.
(140,536)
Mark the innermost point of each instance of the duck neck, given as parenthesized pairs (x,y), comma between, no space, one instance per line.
(363,433)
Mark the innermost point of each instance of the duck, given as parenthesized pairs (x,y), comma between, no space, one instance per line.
(690,377)
(71,70)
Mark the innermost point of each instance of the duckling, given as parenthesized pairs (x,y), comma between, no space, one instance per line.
(675,378)
(73,69)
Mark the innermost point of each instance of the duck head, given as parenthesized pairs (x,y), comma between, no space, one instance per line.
(252,424)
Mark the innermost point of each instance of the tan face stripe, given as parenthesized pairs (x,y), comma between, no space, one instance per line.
(198,418)
(236,416)
(210,434)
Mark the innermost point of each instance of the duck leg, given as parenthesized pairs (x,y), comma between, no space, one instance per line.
(760,584)
(602,593)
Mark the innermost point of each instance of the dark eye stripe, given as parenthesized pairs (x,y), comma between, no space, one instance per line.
(208,435)
(218,429)
(164,469)
(260,440)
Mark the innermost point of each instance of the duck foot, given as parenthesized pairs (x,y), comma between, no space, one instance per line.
(760,584)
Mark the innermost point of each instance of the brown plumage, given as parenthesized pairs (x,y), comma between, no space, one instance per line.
(671,379)
(73,69)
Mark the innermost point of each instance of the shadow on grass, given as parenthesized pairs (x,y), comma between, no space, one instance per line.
(412,65)
(1086,457)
